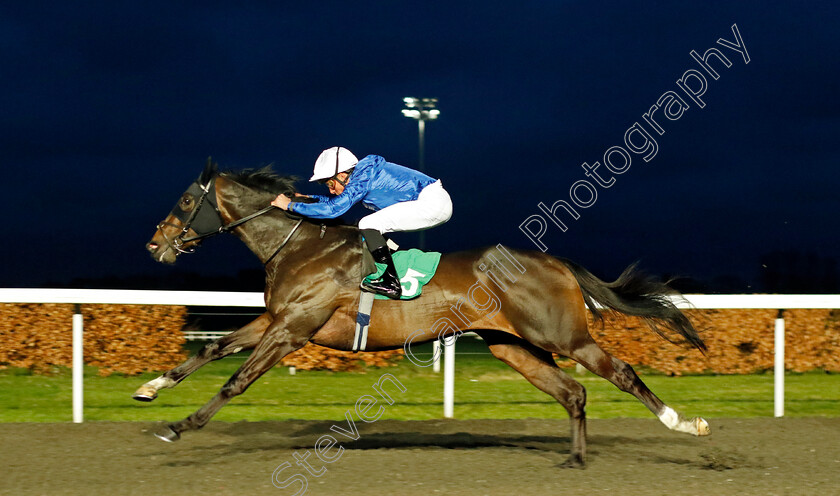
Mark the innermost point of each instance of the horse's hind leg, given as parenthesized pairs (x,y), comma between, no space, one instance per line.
(244,338)
(539,368)
(591,356)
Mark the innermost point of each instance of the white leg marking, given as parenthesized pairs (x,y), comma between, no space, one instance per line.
(669,417)
(675,422)
(160,383)
(148,391)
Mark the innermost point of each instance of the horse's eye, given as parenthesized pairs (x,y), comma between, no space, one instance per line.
(187,202)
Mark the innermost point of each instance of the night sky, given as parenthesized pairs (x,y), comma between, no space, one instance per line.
(109,111)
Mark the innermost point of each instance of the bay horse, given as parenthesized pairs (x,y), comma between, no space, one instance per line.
(313,271)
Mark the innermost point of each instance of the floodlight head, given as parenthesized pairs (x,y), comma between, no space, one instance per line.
(420,108)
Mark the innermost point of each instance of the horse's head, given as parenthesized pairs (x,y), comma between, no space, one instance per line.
(196,214)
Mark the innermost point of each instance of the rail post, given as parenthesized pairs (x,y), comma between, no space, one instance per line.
(449,377)
(779,366)
(436,356)
(78,365)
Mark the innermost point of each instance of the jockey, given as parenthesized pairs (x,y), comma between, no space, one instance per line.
(403,200)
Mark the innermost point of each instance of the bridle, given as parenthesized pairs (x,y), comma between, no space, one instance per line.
(210,222)
(187,219)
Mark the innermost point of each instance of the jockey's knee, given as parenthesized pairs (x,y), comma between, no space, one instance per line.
(373,238)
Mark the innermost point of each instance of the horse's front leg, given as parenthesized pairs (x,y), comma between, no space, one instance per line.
(242,339)
(277,342)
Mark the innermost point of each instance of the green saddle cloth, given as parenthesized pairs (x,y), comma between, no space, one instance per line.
(415,268)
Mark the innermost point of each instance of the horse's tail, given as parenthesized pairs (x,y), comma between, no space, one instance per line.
(637,294)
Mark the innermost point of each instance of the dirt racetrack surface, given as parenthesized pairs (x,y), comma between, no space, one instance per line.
(476,457)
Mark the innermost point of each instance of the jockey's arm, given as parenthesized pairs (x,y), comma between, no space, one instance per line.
(332,207)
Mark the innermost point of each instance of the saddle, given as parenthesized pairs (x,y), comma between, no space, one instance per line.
(415,269)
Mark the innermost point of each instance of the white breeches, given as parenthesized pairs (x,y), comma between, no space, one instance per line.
(432,208)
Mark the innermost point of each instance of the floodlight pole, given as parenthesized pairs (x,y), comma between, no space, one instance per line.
(421,144)
(422,109)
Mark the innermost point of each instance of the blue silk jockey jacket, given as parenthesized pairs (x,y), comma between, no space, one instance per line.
(375,182)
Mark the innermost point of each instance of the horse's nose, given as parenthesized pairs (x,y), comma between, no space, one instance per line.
(151,246)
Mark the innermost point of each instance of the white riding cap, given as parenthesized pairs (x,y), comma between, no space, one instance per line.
(332,161)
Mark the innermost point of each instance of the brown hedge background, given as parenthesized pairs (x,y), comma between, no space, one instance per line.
(118,338)
(739,342)
(131,339)
(314,357)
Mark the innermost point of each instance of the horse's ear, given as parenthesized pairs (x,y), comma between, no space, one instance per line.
(209,171)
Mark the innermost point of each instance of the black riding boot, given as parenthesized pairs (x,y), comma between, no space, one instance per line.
(389,284)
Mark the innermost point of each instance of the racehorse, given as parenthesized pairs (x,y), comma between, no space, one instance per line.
(313,271)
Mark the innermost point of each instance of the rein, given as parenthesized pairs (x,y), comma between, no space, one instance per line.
(288,237)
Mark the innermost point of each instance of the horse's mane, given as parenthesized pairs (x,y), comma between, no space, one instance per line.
(263,178)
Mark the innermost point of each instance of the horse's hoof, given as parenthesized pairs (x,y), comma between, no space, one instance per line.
(574,461)
(703,428)
(144,394)
(167,434)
